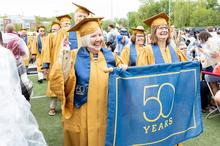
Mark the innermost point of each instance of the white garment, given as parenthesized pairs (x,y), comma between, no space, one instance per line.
(40,75)
(211,47)
(18,126)
(214,34)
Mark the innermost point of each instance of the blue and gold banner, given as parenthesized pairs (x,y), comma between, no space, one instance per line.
(155,105)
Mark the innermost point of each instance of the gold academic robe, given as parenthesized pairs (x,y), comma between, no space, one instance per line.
(48,57)
(165,54)
(141,59)
(29,45)
(58,42)
(46,50)
(54,44)
(36,52)
(85,126)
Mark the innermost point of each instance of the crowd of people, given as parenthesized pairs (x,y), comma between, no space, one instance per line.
(76,61)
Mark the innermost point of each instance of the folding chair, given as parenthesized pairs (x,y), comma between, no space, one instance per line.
(215,112)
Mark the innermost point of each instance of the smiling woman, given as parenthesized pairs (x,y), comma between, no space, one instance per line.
(160,50)
(84,98)
(160,33)
(135,53)
(93,41)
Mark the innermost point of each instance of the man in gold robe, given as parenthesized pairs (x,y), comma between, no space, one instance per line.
(73,38)
(39,43)
(48,57)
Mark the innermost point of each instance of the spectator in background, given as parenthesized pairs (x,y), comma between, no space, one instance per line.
(11,38)
(111,37)
(182,46)
(217,95)
(193,44)
(19,49)
(122,41)
(212,31)
(210,56)
(124,32)
(210,51)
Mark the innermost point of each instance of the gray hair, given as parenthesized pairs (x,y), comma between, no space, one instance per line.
(85,41)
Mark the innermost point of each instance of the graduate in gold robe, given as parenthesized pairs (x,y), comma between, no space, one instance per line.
(54,43)
(81,12)
(160,51)
(48,54)
(48,57)
(84,91)
(38,45)
(135,53)
(62,33)
(28,42)
(72,37)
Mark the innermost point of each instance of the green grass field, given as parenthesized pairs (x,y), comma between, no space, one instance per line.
(53,133)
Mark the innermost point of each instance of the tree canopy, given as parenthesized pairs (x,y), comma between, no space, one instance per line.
(184,13)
